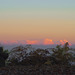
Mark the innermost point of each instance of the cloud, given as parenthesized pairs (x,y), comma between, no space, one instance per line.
(62,42)
(48,41)
(5,42)
(35,42)
(13,41)
(31,42)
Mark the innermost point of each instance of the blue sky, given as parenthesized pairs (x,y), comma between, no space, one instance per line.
(37,4)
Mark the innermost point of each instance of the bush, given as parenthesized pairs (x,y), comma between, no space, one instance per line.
(3,57)
(28,56)
(36,57)
(61,54)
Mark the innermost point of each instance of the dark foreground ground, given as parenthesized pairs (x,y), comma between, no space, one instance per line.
(37,70)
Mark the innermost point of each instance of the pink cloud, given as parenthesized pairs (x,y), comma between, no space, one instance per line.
(31,42)
(48,41)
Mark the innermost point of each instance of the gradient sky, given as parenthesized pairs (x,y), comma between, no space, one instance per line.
(37,20)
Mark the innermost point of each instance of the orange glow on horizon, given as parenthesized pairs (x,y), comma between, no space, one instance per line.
(62,42)
(36,42)
(13,41)
(31,42)
(48,41)
(5,42)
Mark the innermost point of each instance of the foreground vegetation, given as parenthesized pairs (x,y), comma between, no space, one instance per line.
(39,61)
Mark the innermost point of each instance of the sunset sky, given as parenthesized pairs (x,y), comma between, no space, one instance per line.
(47,21)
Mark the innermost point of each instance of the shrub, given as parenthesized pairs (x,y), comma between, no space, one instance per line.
(34,57)
(61,54)
(37,57)
(28,56)
(3,57)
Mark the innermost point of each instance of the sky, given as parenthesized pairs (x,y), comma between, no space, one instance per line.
(32,21)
